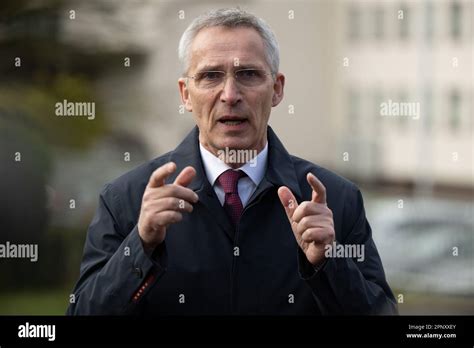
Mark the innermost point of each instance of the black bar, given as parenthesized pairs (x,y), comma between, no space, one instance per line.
(249,329)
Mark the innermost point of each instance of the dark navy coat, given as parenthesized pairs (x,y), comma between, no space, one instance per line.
(205,266)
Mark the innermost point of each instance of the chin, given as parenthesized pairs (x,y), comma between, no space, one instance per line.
(232,145)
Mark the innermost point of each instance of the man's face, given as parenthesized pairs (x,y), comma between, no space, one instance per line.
(230,115)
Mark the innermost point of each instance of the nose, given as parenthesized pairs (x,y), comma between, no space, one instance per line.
(230,91)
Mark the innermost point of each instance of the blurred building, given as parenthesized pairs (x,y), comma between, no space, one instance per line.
(416,52)
(342,59)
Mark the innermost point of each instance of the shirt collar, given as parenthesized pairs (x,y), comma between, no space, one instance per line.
(214,166)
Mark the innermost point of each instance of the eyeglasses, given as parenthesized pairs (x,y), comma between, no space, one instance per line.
(245,77)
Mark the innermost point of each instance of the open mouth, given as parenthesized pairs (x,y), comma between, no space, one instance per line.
(232,123)
(232,120)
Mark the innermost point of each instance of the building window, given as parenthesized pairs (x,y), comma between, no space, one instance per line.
(429,21)
(403,16)
(354,20)
(402,99)
(379,20)
(454,109)
(378,100)
(353,109)
(455,20)
(427,110)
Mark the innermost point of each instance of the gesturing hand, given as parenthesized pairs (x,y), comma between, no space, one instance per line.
(163,205)
(311,221)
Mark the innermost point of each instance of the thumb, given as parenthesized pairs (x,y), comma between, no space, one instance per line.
(288,201)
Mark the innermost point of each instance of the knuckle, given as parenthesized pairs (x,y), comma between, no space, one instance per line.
(303,206)
(177,217)
(332,234)
(146,208)
(331,215)
(306,235)
(304,222)
(145,212)
(172,202)
(146,196)
(307,208)
(319,237)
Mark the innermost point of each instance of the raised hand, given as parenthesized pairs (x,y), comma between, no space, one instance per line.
(163,205)
(311,221)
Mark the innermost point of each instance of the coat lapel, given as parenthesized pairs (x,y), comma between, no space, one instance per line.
(187,154)
(280,171)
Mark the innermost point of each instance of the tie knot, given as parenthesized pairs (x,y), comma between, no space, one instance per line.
(229,180)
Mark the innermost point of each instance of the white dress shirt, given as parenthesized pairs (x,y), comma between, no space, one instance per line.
(255,171)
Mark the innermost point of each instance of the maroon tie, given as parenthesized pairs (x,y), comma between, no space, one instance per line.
(232,204)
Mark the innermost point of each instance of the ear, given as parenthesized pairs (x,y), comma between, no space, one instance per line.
(278,87)
(184,92)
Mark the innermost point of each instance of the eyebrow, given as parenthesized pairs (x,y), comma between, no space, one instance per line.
(221,67)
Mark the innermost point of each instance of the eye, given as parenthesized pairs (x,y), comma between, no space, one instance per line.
(210,75)
(248,74)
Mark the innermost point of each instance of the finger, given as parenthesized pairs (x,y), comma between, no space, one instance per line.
(166,218)
(171,203)
(158,177)
(317,235)
(175,191)
(319,191)
(288,201)
(308,208)
(307,222)
(185,177)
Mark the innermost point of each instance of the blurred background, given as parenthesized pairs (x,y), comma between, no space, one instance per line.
(344,62)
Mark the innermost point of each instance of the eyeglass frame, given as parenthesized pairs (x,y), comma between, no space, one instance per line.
(266,73)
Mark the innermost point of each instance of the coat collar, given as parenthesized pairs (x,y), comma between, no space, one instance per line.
(280,169)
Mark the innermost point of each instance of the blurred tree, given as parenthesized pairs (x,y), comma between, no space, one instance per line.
(36,74)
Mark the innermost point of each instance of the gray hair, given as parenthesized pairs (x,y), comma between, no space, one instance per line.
(231,18)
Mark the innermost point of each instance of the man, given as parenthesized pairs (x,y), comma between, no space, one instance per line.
(205,229)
